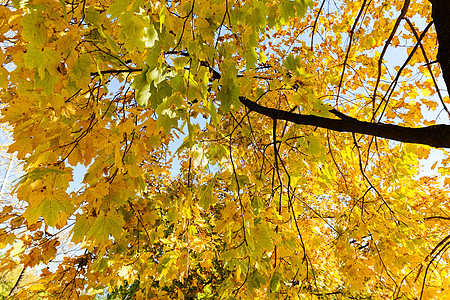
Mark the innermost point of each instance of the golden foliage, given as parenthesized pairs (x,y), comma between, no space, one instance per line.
(260,209)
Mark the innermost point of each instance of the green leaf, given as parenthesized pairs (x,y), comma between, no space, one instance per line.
(206,197)
(111,43)
(117,8)
(92,15)
(142,86)
(47,83)
(167,116)
(81,72)
(290,8)
(314,145)
(257,16)
(106,224)
(302,6)
(41,59)
(151,84)
(251,56)
(274,284)
(40,173)
(151,36)
(34,28)
(256,280)
(137,31)
(49,208)
(81,228)
(63,7)
(291,63)
(229,91)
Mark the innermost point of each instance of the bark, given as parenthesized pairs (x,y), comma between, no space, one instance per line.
(441,18)
(436,136)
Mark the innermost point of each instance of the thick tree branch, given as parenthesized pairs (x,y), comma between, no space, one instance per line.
(440,13)
(437,136)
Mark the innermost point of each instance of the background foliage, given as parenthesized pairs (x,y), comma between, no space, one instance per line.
(261,208)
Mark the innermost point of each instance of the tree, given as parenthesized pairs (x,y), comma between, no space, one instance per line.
(289,186)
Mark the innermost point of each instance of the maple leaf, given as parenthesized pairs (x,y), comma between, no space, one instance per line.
(106,224)
(49,207)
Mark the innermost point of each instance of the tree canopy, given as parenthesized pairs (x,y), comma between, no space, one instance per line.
(303,126)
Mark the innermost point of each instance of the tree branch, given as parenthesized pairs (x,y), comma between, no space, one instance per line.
(437,136)
(439,13)
(116,71)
